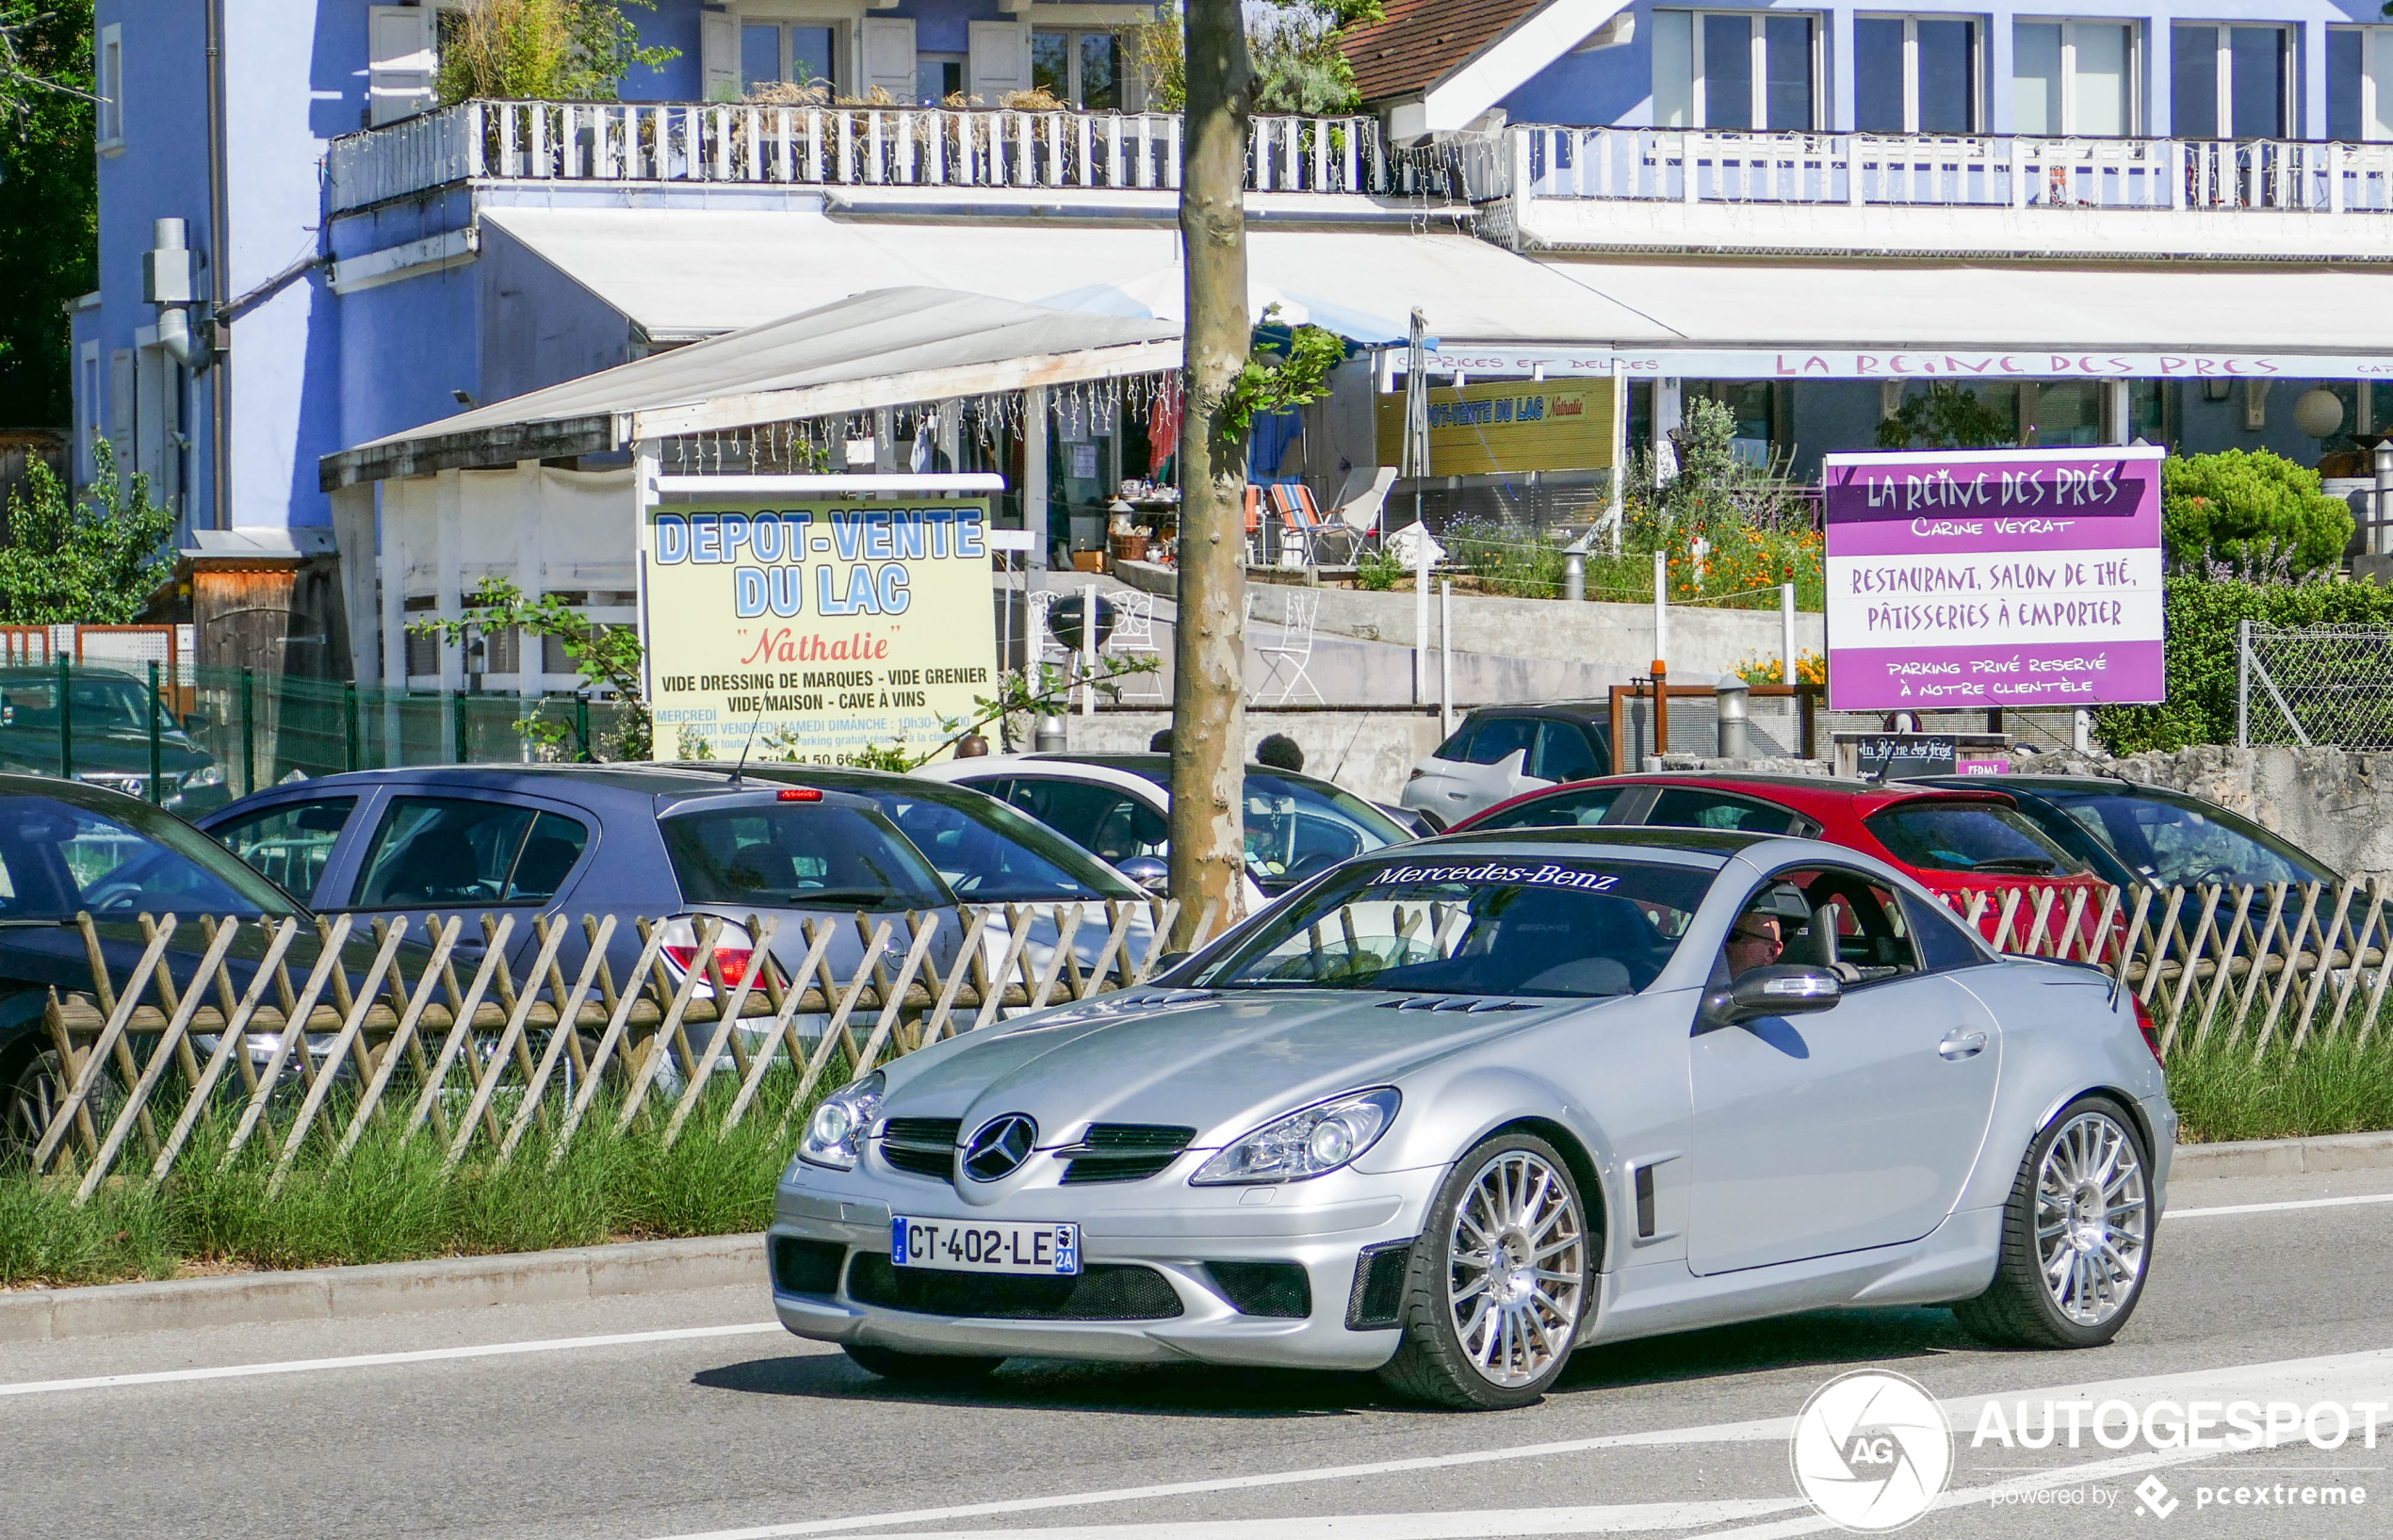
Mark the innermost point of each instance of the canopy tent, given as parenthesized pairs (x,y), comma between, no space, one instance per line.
(885,347)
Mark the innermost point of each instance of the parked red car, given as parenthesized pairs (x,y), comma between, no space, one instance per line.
(1955,842)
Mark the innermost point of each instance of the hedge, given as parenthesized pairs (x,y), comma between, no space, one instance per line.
(2202,619)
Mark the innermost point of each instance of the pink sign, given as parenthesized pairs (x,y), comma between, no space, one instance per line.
(1993,577)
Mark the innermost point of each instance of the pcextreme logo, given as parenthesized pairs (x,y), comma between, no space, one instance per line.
(1871,1451)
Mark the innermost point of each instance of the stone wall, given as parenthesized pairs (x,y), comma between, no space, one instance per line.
(1368,752)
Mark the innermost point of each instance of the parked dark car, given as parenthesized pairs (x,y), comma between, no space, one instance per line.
(68,848)
(2132,834)
(110,717)
(1499,752)
(571,840)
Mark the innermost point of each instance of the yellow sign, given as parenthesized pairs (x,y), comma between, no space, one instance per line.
(824,627)
(1511,426)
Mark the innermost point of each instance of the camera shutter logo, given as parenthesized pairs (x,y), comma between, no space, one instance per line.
(1871,1451)
(1000,1147)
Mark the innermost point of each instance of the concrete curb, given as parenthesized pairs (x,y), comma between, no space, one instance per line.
(2285,1157)
(447,1283)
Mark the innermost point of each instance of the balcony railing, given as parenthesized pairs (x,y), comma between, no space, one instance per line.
(830,146)
(1967,172)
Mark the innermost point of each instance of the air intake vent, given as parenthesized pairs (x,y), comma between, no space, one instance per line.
(1379,1295)
(1124,1152)
(924,1146)
(1105,1291)
(1474,1004)
(1278,1289)
(806,1267)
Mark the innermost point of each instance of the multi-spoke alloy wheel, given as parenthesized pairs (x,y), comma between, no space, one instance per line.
(2077,1235)
(2091,1219)
(1498,1281)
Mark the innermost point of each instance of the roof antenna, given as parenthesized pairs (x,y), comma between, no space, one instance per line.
(742,765)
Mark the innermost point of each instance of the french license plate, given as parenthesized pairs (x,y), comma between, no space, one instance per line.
(989,1246)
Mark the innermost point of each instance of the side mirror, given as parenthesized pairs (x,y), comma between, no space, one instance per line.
(1785,989)
(1147,872)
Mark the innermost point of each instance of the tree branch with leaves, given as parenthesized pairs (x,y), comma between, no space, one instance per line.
(606,658)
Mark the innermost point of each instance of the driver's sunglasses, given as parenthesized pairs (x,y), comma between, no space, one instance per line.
(1762,938)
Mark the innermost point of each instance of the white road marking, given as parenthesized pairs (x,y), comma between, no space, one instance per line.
(2341,1376)
(368,1360)
(1469,1524)
(2223,1210)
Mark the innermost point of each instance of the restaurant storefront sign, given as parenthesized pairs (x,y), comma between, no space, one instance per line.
(1997,577)
(1897,364)
(1514,426)
(819,627)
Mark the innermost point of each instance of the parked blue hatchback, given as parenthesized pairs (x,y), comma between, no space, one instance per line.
(570,840)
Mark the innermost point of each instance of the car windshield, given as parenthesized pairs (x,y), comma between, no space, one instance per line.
(989,852)
(102,704)
(1297,826)
(1450,923)
(798,855)
(58,859)
(1971,837)
(2177,843)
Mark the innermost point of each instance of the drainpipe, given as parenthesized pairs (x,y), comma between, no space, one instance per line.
(220,214)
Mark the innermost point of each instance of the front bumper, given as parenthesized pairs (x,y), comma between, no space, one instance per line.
(1161,1223)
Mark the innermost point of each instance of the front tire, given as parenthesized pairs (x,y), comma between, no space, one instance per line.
(918,1368)
(2077,1235)
(1497,1282)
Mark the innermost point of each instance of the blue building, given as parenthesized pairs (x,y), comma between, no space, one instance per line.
(2107,221)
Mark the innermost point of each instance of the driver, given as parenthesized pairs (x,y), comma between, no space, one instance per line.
(1755,942)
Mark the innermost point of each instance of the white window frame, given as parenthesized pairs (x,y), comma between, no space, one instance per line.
(2138,45)
(1129,87)
(2375,41)
(109,116)
(89,387)
(1757,67)
(843,43)
(1911,21)
(2288,68)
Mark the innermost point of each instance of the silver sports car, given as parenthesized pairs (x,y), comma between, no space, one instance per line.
(1458,1108)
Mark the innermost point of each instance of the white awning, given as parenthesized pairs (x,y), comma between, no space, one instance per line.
(681,273)
(1832,321)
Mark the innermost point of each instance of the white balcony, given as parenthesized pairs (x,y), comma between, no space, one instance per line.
(1924,194)
(643,143)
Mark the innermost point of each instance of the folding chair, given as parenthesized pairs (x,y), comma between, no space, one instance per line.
(1292,650)
(1300,522)
(1134,637)
(1256,544)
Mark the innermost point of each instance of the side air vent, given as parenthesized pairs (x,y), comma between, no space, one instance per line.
(1472,1003)
(1123,1152)
(1379,1295)
(924,1146)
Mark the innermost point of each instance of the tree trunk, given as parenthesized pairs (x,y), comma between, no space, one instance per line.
(1209,712)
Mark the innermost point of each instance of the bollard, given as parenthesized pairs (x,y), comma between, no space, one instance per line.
(1732,694)
(1574,574)
(1049,736)
(1661,711)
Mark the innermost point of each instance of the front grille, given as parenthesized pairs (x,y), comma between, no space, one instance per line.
(1378,1296)
(806,1267)
(1124,1152)
(1265,1289)
(1103,1291)
(925,1146)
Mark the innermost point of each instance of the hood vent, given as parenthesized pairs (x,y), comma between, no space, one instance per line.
(925,1146)
(1123,1152)
(1475,1004)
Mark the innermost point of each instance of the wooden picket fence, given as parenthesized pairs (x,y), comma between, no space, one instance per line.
(2300,960)
(445,1057)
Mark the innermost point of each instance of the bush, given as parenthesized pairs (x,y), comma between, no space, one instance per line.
(1510,559)
(2202,616)
(542,50)
(2250,513)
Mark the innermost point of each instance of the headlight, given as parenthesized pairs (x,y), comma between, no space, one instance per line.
(206,775)
(836,1130)
(1308,1141)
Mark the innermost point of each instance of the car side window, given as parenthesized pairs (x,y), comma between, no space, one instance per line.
(1457,748)
(289,842)
(1563,753)
(1695,808)
(437,851)
(1559,810)
(1500,738)
(1943,945)
(1110,823)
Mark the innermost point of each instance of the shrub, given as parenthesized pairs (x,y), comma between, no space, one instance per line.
(542,50)
(1947,416)
(1510,559)
(2249,511)
(1810,669)
(2202,615)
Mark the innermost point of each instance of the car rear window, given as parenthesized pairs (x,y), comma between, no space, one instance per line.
(798,855)
(1984,837)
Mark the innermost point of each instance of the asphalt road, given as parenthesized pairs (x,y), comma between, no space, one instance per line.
(692,1416)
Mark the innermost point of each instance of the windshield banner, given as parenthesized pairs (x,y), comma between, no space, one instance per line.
(1993,577)
(820,627)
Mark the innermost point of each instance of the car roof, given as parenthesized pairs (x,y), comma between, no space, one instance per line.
(1800,792)
(642,785)
(1146,765)
(1722,843)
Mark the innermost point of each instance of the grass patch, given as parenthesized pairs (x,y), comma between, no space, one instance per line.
(2334,1087)
(387,1202)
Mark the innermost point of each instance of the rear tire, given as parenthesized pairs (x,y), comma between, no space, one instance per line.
(1498,1282)
(2077,1235)
(918,1368)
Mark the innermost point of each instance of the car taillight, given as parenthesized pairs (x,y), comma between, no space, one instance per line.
(732,959)
(1416,774)
(2151,1033)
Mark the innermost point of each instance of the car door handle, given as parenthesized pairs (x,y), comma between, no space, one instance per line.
(1962,1046)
